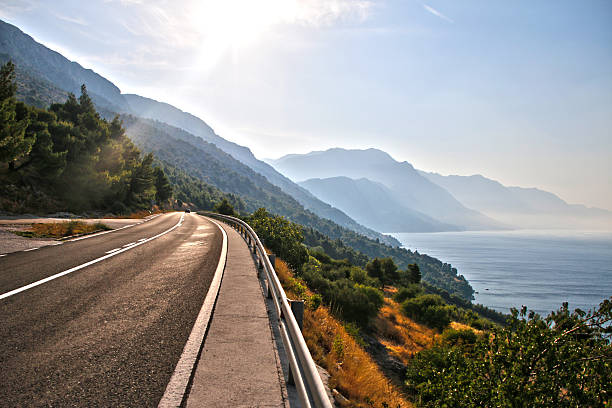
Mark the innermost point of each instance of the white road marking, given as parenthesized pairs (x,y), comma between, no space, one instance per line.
(1,255)
(112,250)
(31,249)
(76,268)
(57,243)
(131,243)
(101,233)
(175,390)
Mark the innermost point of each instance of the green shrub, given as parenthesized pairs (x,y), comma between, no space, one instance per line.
(408,292)
(454,337)
(225,207)
(283,237)
(314,301)
(562,360)
(429,310)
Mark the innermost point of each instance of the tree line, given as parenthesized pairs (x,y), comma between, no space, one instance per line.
(69,158)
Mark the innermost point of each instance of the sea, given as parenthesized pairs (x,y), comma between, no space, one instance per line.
(540,269)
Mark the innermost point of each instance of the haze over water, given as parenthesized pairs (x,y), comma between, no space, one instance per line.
(537,268)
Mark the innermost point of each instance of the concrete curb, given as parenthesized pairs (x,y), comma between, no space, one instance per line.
(177,387)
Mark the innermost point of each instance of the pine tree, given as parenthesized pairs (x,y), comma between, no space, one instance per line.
(163,189)
(14,144)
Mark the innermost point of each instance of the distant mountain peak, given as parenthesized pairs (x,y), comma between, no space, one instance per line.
(411,188)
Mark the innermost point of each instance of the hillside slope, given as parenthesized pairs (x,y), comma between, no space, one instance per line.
(372,204)
(206,161)
(163,112)
(56,69)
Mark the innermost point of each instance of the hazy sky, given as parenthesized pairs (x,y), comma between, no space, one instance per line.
(519,91)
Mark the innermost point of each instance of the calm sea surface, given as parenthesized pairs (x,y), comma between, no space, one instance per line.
(536,268)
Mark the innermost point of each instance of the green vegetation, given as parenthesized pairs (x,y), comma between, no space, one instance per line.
(469,310)
(347,298)
(282,237)
(69,158)
(563,360)
(408,292)
(188,189)
(353,293)
(429,310)
(225,207)
(358,250)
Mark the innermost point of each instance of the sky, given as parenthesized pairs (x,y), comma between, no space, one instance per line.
(519,91)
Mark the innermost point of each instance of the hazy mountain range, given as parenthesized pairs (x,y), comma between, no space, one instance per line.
(408,186)
(519,206)
(375,180)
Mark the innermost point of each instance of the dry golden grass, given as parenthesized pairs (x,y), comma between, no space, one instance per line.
(461,326)
(352,370)
(61,229)
(402,336)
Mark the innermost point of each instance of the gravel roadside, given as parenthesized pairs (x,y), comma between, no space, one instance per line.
(11,242)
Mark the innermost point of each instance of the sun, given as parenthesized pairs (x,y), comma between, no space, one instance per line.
(238,23)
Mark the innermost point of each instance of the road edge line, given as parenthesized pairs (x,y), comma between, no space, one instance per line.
(78,267)
(69,239)
(177,387)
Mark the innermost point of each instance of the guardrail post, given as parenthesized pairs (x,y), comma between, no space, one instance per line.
(290,379)
(297,307)
(272,259)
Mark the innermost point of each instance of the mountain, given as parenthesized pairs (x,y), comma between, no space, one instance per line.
(521,207)
(45,76)
(207,162)
(407,185)
(163,112)
(55,68)
(372,204)
(34,90)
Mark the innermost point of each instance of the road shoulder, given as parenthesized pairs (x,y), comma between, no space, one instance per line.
(238,364)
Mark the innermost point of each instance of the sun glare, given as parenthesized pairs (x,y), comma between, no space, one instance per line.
(237,23)
(227,28)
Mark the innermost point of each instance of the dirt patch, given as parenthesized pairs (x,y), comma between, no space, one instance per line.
(10,225)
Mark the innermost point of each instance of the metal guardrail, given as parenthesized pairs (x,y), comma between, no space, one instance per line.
(307,380)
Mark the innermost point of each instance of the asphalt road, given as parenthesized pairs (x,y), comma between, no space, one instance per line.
(111,333)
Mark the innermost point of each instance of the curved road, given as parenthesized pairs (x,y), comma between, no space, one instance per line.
(110,333)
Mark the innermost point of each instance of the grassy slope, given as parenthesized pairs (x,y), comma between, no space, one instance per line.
(353,371)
